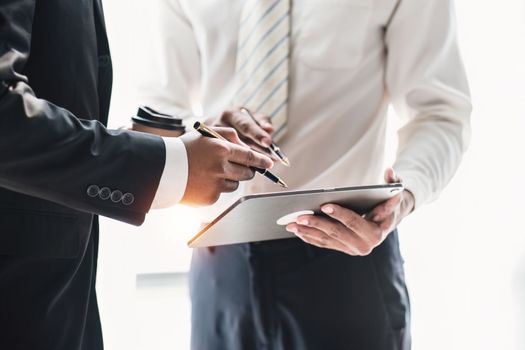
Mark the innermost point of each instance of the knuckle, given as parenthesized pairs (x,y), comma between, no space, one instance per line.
(250,174)
(223,149)
(350,220)
(226,115)
(223,168)
(377,237)
(232,186)
(244,127)
(333,231)
(364,248)
(323,241)
(229,132)
(232,132)
(250,157)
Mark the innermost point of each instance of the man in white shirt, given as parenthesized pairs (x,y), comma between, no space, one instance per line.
(320,75)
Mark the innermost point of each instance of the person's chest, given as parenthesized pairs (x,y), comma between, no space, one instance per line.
(325,34)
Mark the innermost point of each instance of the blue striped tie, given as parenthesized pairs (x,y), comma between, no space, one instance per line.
(263,53)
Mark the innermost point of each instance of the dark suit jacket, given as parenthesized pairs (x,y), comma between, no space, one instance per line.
(59,166)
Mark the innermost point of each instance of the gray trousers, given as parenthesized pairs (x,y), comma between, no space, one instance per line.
(287,295)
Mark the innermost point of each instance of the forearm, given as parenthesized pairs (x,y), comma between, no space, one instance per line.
(46,152)
(429,89)
(429,154)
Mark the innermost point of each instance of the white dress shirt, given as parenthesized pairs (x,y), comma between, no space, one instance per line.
(174,177)
(349,60)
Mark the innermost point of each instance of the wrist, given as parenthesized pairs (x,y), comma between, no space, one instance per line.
(409,202)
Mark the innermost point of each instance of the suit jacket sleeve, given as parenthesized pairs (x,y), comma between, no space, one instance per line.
(46,152)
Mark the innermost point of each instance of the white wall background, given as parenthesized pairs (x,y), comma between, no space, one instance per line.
(465,254)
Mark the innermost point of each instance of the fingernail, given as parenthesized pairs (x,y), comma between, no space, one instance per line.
(327,210)
(291,229)
(376,218)
(303,222)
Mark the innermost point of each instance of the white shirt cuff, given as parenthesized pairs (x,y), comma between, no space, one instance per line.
(175,175)
(412,181)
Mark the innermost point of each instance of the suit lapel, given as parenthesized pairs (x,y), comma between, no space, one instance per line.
(105,71)
(102,41)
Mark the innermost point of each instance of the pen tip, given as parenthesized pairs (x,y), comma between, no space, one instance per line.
(283,184)
(286,161)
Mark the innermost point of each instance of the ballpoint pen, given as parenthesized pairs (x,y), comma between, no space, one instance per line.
(204,130)
(273,147)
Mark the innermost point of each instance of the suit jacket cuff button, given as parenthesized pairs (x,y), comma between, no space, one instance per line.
(116,196)
(93,191)
(128,199)
(105,193)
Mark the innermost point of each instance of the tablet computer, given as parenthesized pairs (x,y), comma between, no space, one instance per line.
(263,217)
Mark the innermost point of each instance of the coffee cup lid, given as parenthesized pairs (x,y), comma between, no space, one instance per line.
(150,117)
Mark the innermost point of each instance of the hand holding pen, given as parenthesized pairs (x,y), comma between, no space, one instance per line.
(209,132)
(216,166)
(254,129)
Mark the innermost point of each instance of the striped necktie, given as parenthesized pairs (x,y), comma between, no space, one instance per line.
(263,53)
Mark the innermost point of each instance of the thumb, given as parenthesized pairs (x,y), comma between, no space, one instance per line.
(391,176)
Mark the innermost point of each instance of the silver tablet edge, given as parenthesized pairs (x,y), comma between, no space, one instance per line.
(274,194)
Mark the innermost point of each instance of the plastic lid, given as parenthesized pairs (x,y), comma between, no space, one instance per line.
(149,117)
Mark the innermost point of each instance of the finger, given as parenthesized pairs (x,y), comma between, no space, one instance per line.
(328,226)
(335,230)
(380,212)
(247,157)
(388,224)
(367,231)
(260,149)
(248,128)
(347,217)
(236,172)
(319,239)
(230,186)
(229,134)
(265,122)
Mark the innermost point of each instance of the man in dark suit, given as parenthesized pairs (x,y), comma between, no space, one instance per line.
(60,168)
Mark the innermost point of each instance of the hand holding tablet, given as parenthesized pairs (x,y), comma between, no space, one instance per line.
(346,231)
(255,217)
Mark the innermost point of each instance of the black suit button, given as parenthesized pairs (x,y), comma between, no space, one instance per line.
(93,191)
(128,199)
(104,60)
(116,196)
(104,193)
